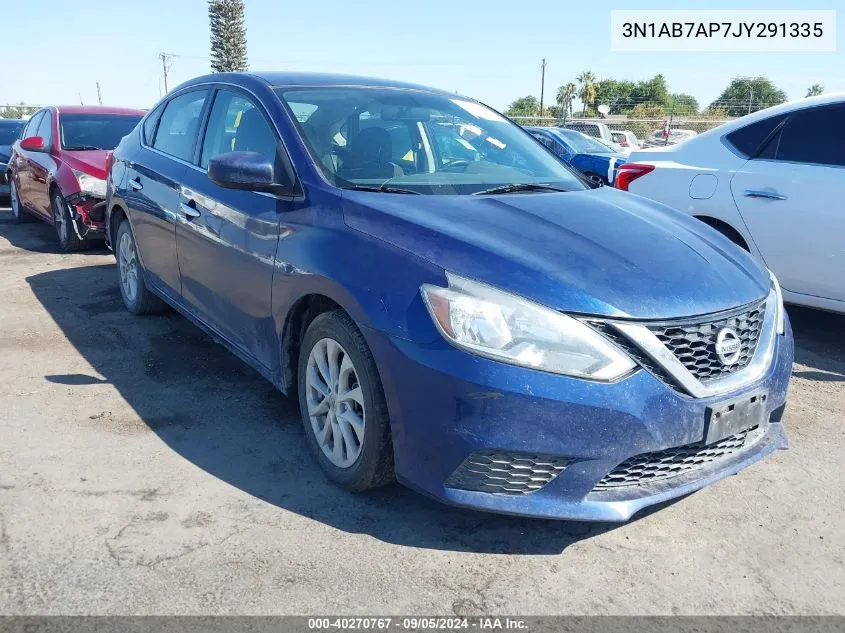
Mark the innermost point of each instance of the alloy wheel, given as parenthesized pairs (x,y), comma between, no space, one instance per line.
(127,263)
(335,403)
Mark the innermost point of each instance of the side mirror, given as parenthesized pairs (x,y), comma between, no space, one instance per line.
(33,144)
(244,170)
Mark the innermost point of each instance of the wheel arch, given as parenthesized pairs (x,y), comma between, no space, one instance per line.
(726,229)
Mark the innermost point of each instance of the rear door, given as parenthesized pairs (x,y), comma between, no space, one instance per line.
(791,197)
(22,161)
(153,180)
(227,238)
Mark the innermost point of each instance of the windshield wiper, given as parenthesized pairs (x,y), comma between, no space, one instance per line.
(383,189)
(518,187)
(81,148)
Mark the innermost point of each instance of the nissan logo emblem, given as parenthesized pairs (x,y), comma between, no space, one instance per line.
(728,346)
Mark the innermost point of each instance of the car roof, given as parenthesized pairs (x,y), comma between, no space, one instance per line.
(315,80)
(11,122)
(83,109)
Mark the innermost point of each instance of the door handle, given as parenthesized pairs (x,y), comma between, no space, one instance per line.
(189,210)
(136,184)
(757,193)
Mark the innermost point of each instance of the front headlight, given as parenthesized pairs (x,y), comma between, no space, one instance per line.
(779,318)
(505,327)
(91,185)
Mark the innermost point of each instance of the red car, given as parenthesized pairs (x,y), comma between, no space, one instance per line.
(57,171)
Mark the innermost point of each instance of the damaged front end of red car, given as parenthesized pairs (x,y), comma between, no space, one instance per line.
(87,214)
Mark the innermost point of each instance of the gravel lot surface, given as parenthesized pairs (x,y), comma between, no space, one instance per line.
(145,470)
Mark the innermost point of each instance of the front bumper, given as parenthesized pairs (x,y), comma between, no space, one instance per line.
(87,214)
(446,405)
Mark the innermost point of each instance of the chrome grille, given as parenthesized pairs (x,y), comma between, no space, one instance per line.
(694,343)
(506,473)
(648,467)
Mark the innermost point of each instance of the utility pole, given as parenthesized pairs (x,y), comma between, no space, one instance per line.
(165,67)
(99,94)
(542,83)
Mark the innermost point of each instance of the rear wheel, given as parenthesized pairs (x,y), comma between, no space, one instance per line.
(342,402)
(137,298)
(69,241)
(17,210)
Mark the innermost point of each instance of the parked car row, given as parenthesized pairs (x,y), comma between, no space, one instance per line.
(773,182)
(10,130)
(452,305)
(588,155)
(57,169)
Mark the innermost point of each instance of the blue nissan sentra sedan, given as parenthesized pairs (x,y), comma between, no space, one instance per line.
(479,323)
(588,155)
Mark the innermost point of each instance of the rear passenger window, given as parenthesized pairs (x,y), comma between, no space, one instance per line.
(177,130)
(815,135)
(749,139)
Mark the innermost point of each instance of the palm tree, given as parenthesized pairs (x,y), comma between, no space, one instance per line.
(815,90)
(565,95)
(587,93)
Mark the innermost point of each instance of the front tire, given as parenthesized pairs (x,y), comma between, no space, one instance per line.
(69,241)
(137,298)
(342,403)
(21,216)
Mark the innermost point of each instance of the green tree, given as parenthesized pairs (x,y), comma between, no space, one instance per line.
(714,114)
(565,95)
(524,106)
(228,35)
(587,91)
(18,111)
(615,94)
(748,94)
(683,105)
(815,90)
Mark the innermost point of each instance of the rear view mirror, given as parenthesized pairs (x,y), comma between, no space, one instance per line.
(404,113)
(243,170)
(33,144)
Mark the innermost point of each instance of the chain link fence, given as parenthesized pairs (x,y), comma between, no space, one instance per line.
(643,129)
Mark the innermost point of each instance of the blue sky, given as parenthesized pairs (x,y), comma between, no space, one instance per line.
(489,50)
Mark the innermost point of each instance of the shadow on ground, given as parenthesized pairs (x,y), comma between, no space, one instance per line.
(819,344)
(36,236)
(214,411)
(223,417)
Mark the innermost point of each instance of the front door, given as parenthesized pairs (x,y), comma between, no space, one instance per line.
(227,238)
(791,199)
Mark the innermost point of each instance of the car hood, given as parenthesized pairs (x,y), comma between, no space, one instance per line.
(91,161)
(600,251)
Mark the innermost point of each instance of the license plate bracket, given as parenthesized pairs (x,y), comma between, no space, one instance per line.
(734,416)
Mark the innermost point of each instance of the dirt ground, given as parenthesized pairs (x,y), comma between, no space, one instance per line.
(145,470)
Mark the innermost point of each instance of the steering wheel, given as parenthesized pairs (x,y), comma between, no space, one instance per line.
(455,165)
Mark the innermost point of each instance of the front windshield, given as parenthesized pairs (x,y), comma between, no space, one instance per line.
(584,144)
(95,131)
(420,142)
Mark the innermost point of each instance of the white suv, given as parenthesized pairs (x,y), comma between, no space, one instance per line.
(773,182)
